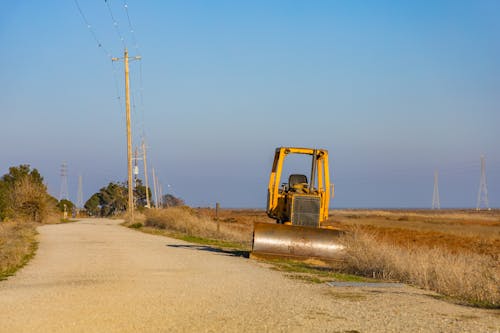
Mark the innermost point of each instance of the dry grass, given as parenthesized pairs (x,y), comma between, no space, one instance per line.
(457,231)
(17,246)
(468,277)
(188,221)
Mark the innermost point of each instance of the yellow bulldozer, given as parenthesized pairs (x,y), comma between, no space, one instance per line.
(300,208)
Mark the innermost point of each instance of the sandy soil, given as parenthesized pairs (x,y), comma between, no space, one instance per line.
(97,276)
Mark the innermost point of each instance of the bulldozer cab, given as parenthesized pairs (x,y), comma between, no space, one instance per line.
(301,201)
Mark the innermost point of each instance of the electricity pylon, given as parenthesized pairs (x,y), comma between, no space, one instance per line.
(63,192)
(482,195)
(435,196)
(126,58)
(79,196)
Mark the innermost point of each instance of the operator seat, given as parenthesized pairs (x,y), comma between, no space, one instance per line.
(296,179)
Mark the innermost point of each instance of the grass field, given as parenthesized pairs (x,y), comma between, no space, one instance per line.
(453,252)
(458,231)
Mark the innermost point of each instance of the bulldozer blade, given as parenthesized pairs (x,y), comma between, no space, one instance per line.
(296,242)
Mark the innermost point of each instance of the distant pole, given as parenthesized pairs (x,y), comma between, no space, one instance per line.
(160,194)
(217,207)
(154,188)
(130,208)
(482,195)
(435,196)
(145,172)
(136,167)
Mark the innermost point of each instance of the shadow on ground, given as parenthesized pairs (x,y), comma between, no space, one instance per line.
(229,252)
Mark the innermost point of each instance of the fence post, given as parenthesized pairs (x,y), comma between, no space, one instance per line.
(217,206)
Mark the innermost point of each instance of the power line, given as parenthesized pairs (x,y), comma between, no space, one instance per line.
(101,46)
(117,84)
(141,98)
(115,24)
(132,31)
(91,30)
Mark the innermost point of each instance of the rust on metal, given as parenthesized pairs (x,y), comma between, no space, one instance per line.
(278,240)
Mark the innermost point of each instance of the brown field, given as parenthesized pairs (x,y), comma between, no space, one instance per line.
(458,231)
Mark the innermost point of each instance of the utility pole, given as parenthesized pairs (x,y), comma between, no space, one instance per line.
(482,195)
(154,187)
(148,204)
(435,196)
(160,192)
(136,167)
(129,133)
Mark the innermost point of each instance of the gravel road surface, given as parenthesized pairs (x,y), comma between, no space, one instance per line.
(97,276)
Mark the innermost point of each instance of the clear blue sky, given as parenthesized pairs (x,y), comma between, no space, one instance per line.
(394,90)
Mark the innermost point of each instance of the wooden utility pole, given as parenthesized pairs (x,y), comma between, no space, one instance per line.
(160,194)
(129,138)
(129,134)
(136,167)
(148,204)
(155,191)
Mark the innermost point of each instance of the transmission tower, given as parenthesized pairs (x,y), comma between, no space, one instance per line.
(79,197)
(63,192)
(435,196)
(482,195)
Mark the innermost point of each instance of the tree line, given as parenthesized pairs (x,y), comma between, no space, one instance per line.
(113,199)
(24,197)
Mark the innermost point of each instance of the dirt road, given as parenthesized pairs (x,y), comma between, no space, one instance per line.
(97,276)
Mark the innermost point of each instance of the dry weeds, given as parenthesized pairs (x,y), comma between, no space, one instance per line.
(469,277)
(17,246)
(189,222)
